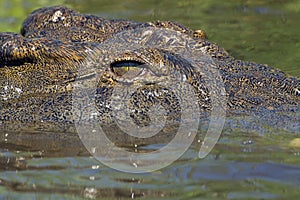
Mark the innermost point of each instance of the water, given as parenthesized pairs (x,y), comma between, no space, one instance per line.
(260,164)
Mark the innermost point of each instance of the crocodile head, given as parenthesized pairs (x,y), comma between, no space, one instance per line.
(59,49)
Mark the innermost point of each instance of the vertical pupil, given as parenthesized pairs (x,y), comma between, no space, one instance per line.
(121,67)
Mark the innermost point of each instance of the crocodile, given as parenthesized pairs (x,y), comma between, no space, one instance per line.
(39,66)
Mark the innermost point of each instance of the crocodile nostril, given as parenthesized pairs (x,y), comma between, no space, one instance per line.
(200,34)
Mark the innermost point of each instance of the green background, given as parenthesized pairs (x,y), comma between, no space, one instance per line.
(262,31)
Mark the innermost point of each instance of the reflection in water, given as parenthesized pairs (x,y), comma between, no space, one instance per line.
(85,177)
(240,164)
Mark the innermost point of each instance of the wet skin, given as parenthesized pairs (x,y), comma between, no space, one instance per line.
(39,66)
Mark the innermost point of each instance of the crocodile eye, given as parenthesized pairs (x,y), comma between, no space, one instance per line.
(122,67)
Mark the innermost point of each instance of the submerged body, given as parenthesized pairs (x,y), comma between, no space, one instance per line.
(38,67)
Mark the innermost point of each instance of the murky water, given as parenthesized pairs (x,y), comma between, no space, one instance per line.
(259,162)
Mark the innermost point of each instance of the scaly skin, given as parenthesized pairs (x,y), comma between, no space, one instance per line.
(38,67)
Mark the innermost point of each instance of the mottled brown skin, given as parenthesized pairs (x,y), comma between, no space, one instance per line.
(43,61)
